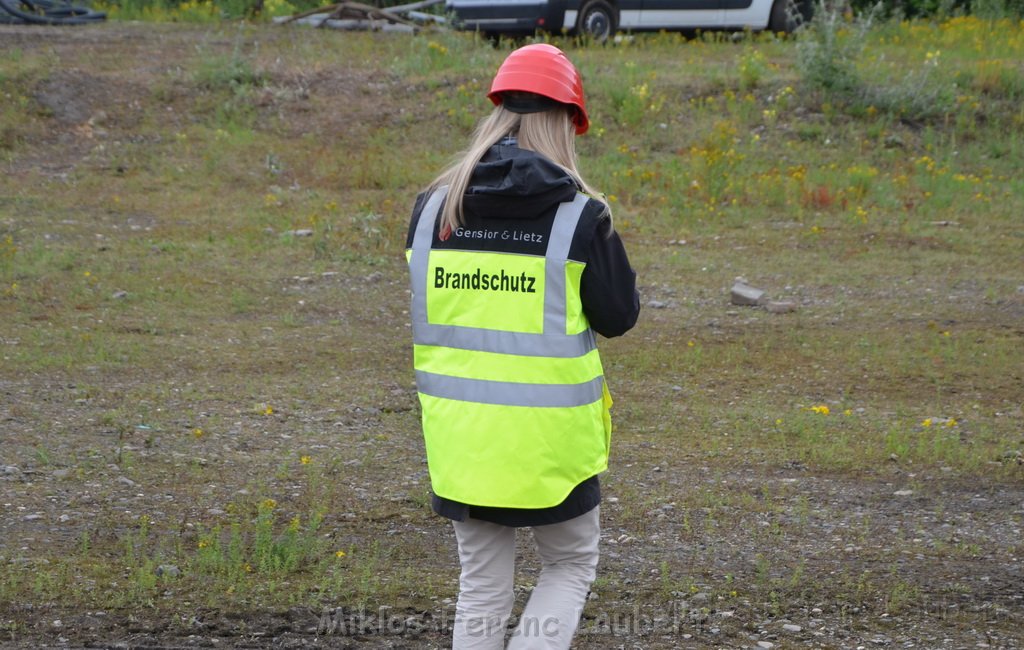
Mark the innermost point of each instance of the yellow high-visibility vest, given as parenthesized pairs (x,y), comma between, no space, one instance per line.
(515,407)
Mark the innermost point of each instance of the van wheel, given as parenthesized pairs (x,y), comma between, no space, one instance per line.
(596,21)
(787,16)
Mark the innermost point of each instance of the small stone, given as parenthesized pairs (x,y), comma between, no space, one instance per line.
(64,519)
(656,304)
(119,295)
(124,480)
(301,232)
(902,493)
(61,473)
(745,295)
(168,570)
(10,470)
(767,645)
(893,142)
(781,307)
(789,627)
(33,517)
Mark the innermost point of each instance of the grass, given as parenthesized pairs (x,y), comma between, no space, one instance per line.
(168,333)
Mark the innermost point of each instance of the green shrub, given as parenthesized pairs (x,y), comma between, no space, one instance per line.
(829,48)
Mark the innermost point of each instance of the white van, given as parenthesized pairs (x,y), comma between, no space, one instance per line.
(600,19)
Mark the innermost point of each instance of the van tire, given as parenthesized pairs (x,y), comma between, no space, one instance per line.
(597,21)
(787,16)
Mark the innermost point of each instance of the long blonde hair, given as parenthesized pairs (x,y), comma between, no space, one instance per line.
(550,133)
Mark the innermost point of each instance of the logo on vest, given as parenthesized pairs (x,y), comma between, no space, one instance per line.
(504,235)
(481,281)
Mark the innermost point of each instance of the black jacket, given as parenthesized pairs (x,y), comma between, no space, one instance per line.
(517,184)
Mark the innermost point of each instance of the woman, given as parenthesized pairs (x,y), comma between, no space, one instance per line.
(509,283)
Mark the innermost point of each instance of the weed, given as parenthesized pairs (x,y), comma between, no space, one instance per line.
(752,68)
(43,456)
(829,48)
(900,596)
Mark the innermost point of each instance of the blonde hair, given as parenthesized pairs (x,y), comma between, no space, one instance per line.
(551,133)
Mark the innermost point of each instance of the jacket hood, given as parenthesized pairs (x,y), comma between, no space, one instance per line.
(514,183)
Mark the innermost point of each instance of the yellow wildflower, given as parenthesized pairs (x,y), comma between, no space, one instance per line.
(305,460)
(927,422)
(339,554)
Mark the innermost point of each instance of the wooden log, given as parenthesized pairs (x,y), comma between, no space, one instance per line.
(375,11)
(414,6)
(309,12)
(356,15)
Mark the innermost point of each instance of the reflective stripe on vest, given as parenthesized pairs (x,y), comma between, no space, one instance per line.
(515,408)
(509,393)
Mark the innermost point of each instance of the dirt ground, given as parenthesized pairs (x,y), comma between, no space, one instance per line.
(778,557)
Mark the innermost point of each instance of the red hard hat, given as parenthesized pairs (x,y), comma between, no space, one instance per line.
(544,70)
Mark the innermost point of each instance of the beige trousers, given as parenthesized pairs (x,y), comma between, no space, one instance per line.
(569,555)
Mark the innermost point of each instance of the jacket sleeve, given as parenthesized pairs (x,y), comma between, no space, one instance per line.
(608,286)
